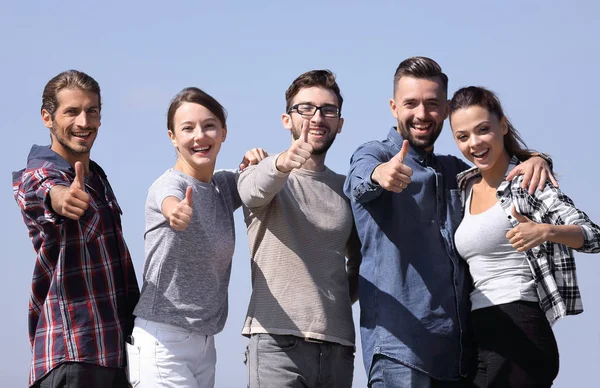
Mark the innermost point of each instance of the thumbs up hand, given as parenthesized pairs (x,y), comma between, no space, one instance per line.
(394,175)
(528,234)
(72,201)
(181,215)
(298,153)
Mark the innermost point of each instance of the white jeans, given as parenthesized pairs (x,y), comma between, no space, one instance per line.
(169,356)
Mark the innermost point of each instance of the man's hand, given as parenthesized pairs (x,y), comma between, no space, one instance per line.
(535,171)
(527,234)
(298,153)
(72,201)
(181,215)
(252,157)
(394,175)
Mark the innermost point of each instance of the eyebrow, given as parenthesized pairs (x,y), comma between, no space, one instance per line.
(312,103)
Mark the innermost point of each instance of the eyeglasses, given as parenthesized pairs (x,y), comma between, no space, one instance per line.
(309,110)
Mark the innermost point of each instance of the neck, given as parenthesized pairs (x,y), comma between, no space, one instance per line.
(494,176)
(315,163)
(72,158)
(202,174)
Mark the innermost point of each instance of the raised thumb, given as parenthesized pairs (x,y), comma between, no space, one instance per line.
(188,196)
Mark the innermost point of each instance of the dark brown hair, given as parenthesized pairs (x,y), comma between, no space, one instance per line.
(420,68)
(479,96)
(196,96)
(70,79)
(320,78)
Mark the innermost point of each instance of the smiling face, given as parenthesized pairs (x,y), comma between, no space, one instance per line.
(479,135)
(322,130)
(197,135)
(420,108)
(75,123)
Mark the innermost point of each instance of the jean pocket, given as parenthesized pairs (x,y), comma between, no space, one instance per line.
(347,352)
(276,343)
(133,364)
(171,336)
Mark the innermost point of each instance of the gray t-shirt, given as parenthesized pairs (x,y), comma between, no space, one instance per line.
(186,274)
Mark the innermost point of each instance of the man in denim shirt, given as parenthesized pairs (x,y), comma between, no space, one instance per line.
(413,286)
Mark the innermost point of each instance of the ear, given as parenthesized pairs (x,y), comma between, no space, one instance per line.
(286,120)
(340,125)
(504,125)
(393,108)
(224,133)
(173,138)
(47,119)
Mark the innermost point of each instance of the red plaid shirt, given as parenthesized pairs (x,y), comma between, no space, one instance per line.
(84,287)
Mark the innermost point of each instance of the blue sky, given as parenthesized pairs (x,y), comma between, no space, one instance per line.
(540,57)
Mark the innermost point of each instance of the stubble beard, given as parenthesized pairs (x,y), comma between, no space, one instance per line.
(58,137)
(321,149)
(421,142)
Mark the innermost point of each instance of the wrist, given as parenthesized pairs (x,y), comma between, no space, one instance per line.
(548,231)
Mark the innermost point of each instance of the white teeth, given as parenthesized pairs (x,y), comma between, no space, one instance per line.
(81,134)
(421,126)
(480,153)
(199,149)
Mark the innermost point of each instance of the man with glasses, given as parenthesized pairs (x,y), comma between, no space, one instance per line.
(300,230)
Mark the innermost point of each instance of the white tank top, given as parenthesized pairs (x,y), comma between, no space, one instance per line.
(500,273)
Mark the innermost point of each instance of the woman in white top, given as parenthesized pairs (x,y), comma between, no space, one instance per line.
(518,247)
(189,243)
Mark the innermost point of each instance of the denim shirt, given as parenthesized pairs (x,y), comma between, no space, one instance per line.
(413,286)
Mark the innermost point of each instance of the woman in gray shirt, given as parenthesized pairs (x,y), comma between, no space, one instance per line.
(189,242)
(518,247)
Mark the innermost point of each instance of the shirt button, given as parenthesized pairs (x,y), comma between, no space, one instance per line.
(510,217)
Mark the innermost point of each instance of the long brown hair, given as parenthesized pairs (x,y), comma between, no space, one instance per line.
(480,96)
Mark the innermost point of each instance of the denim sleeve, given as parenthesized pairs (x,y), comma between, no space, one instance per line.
(358,186)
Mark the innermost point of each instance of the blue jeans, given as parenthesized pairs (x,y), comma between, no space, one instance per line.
(389,373)
(287,361)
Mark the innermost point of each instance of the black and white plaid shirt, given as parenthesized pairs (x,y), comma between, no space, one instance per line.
(552,265)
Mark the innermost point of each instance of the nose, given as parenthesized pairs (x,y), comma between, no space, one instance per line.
(82,120)
(198,132)
(474,140)
(420,112)
(317,117)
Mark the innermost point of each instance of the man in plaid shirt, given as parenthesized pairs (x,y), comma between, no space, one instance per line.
(84,287)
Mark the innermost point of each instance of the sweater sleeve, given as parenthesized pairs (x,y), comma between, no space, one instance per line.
(258,184)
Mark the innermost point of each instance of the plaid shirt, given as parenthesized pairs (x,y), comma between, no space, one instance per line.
(552,265)
(84,286)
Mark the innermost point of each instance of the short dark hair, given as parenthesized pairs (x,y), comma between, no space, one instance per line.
(320,78)
(196,96)
(480,96)
(420,68)
(70,79)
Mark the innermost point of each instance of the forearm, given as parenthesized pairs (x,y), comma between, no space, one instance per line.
(569,235)
(257,185)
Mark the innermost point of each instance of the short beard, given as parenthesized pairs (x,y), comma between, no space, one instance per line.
(422,143)
(320,150)
(64,143)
